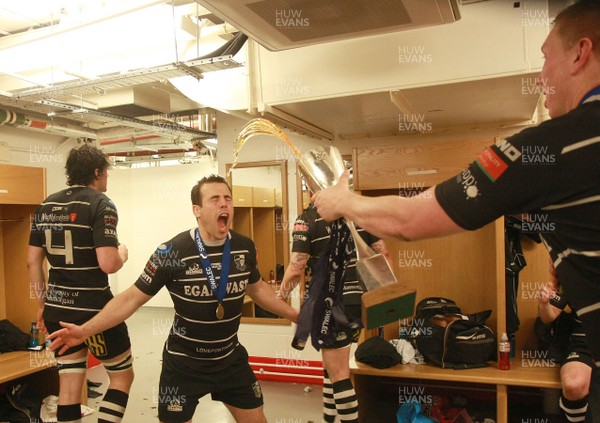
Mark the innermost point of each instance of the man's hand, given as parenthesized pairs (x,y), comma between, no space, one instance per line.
(553,276)
(331,201)
(547,292)
(294,316)
(70,336)
(124,253)
(40,321)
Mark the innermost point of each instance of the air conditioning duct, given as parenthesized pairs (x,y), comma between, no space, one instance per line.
(284,24)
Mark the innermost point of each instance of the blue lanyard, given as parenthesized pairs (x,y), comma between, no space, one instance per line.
(595,91)
(220,289)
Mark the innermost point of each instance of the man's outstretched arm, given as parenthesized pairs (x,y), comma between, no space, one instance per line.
(114,312)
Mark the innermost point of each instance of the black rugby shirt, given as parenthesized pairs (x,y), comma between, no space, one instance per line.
(197,336)
(311,234)
(70,225)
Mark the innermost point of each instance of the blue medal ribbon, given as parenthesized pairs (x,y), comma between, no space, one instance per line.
(595,91)
(220,289)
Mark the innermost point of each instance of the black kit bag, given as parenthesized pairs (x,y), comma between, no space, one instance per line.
(11,337)
(450,339)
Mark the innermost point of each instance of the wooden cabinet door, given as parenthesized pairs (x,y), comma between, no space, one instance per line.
(242,196)
(263,197)
(22,185)
(413,165)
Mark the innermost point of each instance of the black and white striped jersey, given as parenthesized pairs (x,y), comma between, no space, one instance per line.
(311,234)
(197,335)
(70,225)
(551,173)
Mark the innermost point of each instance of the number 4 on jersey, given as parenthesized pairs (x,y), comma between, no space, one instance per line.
(66,251)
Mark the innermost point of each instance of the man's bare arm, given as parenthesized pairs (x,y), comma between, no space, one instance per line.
(293,274)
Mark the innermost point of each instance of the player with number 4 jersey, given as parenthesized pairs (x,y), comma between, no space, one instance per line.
(69,225)
(76,231)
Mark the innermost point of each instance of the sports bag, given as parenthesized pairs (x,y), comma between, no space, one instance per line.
(450,339)
(11,337)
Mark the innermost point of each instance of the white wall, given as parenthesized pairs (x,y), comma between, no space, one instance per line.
(154,205)
(38,149)
(261,177)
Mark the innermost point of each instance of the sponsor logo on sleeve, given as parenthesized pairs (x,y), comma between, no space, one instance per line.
(300,226)
(110,220)
(511,152)
(491,164)
(144,277)
(469,184)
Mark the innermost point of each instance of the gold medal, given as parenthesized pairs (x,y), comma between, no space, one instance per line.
(220,311)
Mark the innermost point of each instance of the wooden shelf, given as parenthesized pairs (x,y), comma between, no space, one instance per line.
(17,364)
(541,377)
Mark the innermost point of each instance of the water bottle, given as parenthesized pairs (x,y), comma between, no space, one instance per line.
(33,335)
(503,353)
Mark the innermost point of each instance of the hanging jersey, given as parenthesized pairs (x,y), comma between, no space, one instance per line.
(311,234)
(198,336)
(70,225)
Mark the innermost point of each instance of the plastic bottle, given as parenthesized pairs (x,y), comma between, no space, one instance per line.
(33,335)
(504,353)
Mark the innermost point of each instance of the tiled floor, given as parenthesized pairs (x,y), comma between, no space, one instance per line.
(284,402)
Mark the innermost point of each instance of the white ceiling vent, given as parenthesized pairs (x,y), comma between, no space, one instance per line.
(284,24)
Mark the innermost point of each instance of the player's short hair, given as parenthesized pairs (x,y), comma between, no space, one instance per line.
(82,163)
(580,20)
(196,194)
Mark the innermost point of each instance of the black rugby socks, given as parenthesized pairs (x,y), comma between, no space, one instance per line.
(68,413)
(329,412)
(112,407)
(345,401)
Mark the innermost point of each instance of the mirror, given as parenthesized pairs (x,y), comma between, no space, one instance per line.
(260,201)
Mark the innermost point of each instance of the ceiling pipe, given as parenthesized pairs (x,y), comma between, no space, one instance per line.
(17,119)
(129,139)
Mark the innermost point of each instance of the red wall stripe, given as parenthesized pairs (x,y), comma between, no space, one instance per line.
(286,369)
